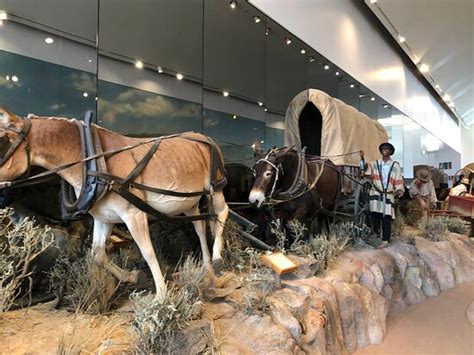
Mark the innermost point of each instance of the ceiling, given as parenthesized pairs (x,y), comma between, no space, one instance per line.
(439,33)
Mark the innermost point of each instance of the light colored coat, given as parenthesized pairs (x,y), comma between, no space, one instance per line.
(382,200)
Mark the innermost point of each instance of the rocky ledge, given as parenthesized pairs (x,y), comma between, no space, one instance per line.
(346,308)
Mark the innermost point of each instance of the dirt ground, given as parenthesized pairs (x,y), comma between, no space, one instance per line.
(41,330)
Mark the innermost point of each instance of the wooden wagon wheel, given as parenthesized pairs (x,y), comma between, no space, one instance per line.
(361,203)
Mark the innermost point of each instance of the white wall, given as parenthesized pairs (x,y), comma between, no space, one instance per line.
(340,31)
(467,142)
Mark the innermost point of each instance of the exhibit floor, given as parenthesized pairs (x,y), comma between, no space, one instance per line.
(440,325)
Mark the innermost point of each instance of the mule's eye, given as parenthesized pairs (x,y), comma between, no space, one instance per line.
(267,174)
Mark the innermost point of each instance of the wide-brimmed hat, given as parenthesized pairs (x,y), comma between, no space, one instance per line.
(423,175)
(388,146)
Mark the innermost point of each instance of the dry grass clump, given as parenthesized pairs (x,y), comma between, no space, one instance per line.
(234,251)
(433,228)
(245,261)
(20,245)
(192,277)
(214,341)
(324,249)
(84,285)
(259,284)
(456,225)
(157,319)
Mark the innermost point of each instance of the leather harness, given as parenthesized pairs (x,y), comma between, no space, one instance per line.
(96,180)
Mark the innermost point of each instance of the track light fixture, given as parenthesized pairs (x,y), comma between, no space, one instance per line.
(233,4)
(256,19)
(288,41)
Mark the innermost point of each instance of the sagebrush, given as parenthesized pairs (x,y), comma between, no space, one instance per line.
(157,319)
(20,245)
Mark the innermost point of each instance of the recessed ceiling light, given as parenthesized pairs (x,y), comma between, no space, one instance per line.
(89,60)
(3,15)
(139,64)
(49,40)
(234,117)
(446,97)
(85,94)
(401,39)
(337,73)
(233,4)
(14,78)
(288,41)
(437,86)
(260,103)
(262,142)
(225,93)
(160,69)
(267,31)
(372,98)
(256,19)
(265,109)
(424,68)
(352,86)
(326,67)
(302,51)
(179,76)
(385,106)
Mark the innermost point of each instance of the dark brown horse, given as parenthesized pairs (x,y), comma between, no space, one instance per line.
(296,188)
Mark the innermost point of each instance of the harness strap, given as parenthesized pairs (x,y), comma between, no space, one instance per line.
(140,204)
(142,164)
(22,134)
(112,180)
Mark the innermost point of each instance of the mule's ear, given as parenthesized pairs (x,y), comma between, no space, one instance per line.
(7,118)
(283,151)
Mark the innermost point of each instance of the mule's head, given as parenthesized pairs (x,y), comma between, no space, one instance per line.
(13,154)
(267,170)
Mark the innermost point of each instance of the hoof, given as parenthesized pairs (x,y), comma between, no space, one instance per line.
(136,277)
(217,266)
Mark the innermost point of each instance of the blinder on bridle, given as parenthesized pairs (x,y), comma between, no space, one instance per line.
(7,148)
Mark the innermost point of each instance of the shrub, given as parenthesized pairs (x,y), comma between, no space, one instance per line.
(157,319)
(456,225)
(86,286)
(433,228)
(20,244)
(191,276)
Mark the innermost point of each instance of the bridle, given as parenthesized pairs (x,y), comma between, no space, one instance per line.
(22,136)
(277,170)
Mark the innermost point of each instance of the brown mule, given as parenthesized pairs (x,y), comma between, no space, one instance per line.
(179,164)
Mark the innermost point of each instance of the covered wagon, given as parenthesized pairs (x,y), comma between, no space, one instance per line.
(326,127)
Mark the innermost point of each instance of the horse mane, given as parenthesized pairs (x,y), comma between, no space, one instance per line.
(65,119)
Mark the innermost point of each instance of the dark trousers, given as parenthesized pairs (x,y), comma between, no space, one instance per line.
(386,221)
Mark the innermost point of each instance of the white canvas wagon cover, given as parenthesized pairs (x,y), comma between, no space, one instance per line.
(344,129)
